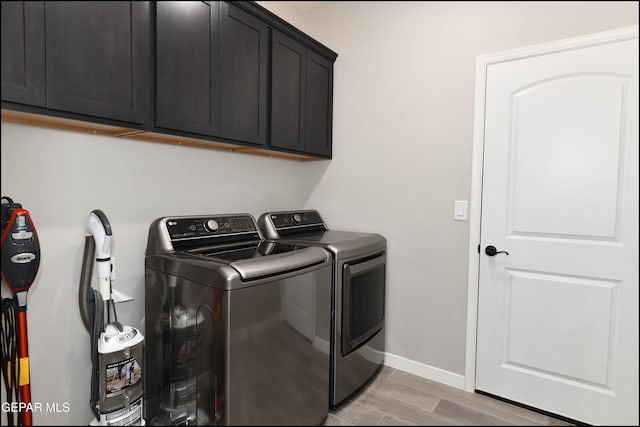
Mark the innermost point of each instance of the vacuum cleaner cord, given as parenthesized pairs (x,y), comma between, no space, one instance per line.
(9,348)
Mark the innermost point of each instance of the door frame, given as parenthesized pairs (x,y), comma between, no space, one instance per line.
(475,212)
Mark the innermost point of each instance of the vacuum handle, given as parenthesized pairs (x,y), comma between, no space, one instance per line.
(26,410)
(99,227)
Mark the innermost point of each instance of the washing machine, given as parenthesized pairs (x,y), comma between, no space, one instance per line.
(358,283)
(235,326)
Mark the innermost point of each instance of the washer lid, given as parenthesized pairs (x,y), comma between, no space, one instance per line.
(228,254)
(224,251)
(243,271)
(282,263)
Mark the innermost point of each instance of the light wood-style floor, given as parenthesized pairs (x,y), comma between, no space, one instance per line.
(397,397)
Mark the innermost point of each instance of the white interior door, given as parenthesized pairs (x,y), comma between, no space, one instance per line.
(558,315)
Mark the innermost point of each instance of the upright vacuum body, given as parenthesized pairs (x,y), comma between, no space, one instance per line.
(120,356)
(116,349)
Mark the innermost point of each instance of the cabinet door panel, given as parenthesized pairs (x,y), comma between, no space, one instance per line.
(319,101)
(97,58)
(287,92)
(243,75)
(23,67)
(186,86)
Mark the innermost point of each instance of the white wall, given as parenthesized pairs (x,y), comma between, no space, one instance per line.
(403,108)
(60,177)
(402,135)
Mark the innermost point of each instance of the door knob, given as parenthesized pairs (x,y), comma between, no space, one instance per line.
(492,251)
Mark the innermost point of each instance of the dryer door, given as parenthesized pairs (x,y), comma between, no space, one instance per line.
(363,294)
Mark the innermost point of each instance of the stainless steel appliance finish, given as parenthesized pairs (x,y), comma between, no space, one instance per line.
(358,304)
(235,326)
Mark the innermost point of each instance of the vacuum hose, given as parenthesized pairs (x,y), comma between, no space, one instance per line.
(85,280)
(92,313)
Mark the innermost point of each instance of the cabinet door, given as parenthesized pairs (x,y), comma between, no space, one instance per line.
(319,104)
(243,75)
(98,58)
(287,92)
(23,69)
(186,66)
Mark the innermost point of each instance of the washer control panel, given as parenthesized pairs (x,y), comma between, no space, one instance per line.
(210,226)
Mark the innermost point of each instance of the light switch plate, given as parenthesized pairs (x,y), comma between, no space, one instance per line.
(460,210)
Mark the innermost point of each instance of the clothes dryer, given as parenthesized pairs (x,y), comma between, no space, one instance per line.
(358,285)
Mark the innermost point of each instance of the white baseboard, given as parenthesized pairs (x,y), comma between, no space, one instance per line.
(424,371)
(322,345)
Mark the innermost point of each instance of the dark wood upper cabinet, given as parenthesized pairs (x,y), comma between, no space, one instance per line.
(211,70)
(187,66)
(287,92)
(244,62)
(318,119)
(23,68)
(301,97)
(98,58)
(217,71)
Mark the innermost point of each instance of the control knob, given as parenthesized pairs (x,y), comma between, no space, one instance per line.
(297,218)
(211,225)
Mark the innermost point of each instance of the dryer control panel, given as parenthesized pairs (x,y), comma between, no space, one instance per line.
(292,219)
(275,225)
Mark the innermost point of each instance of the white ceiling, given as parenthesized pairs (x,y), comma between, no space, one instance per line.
(306,6)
